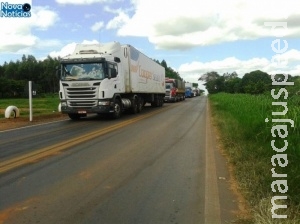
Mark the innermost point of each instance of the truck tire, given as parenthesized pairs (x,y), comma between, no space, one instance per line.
(135,105)
(161,101)
(140,104)
(155,103)
(117,109)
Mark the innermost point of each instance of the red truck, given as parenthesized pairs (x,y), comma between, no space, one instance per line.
(175,90)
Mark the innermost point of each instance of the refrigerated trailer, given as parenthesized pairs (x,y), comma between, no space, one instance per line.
(109,79)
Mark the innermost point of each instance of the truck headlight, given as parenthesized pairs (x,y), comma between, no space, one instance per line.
(104,103)
(63,104)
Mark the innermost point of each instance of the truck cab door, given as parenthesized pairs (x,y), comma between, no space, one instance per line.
(111,84)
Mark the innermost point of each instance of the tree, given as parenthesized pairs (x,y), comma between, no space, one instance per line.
(209,76)
(4,87)
(256,82)
(10,70)
(228,76)
(48,80)
(214,82)
(233,85)
(292,89)
(1,71)
(164,64)
(170,73)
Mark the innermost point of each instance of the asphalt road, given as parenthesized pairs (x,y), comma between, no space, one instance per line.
(159,166)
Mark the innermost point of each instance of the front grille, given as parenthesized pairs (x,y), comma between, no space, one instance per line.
(82,103)
(81,97)
(87,92)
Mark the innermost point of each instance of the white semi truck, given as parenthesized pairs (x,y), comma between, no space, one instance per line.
(109,79)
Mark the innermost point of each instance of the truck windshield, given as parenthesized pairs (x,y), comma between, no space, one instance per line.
(168,86)
(88,71)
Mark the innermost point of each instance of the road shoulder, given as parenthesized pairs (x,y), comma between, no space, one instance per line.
(232,206)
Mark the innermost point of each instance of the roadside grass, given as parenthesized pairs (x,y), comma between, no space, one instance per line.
(246,138)
(42,105)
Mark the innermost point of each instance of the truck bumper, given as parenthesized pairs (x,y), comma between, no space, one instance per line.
(93,110)
(169,99)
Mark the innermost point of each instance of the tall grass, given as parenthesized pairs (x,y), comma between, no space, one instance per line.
(46,104)
(247,137)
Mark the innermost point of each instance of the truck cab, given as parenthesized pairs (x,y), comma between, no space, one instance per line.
(170,95)
(188,92)
(175,90)
(86,77)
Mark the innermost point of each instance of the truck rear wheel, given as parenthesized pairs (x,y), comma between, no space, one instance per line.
(135,105)
(140,104)
(155,103)
(158,101)
(161,101)
(117,109)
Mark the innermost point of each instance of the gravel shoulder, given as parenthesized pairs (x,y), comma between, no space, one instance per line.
(11,123)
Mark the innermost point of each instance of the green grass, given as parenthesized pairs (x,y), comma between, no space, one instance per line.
(247,140)
(40,105)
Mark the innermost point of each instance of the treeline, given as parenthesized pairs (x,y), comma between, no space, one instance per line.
(255,82)
(14,76)
(170,73)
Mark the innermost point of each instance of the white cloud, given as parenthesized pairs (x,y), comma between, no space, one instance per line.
(16,33)
(43,18)
(97,26)
(193,70)
(69,48)
(190,23)
(117,21)
(73,27)
(89,15)
(66,50)
(79,2)
(120,19)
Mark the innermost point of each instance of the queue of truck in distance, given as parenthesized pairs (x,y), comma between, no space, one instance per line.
(196,91)
(109,79)
(175,90)
(188,90)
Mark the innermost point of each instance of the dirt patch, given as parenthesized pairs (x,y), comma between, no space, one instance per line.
(11,123)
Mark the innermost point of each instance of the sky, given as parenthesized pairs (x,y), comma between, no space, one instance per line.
(193,36)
